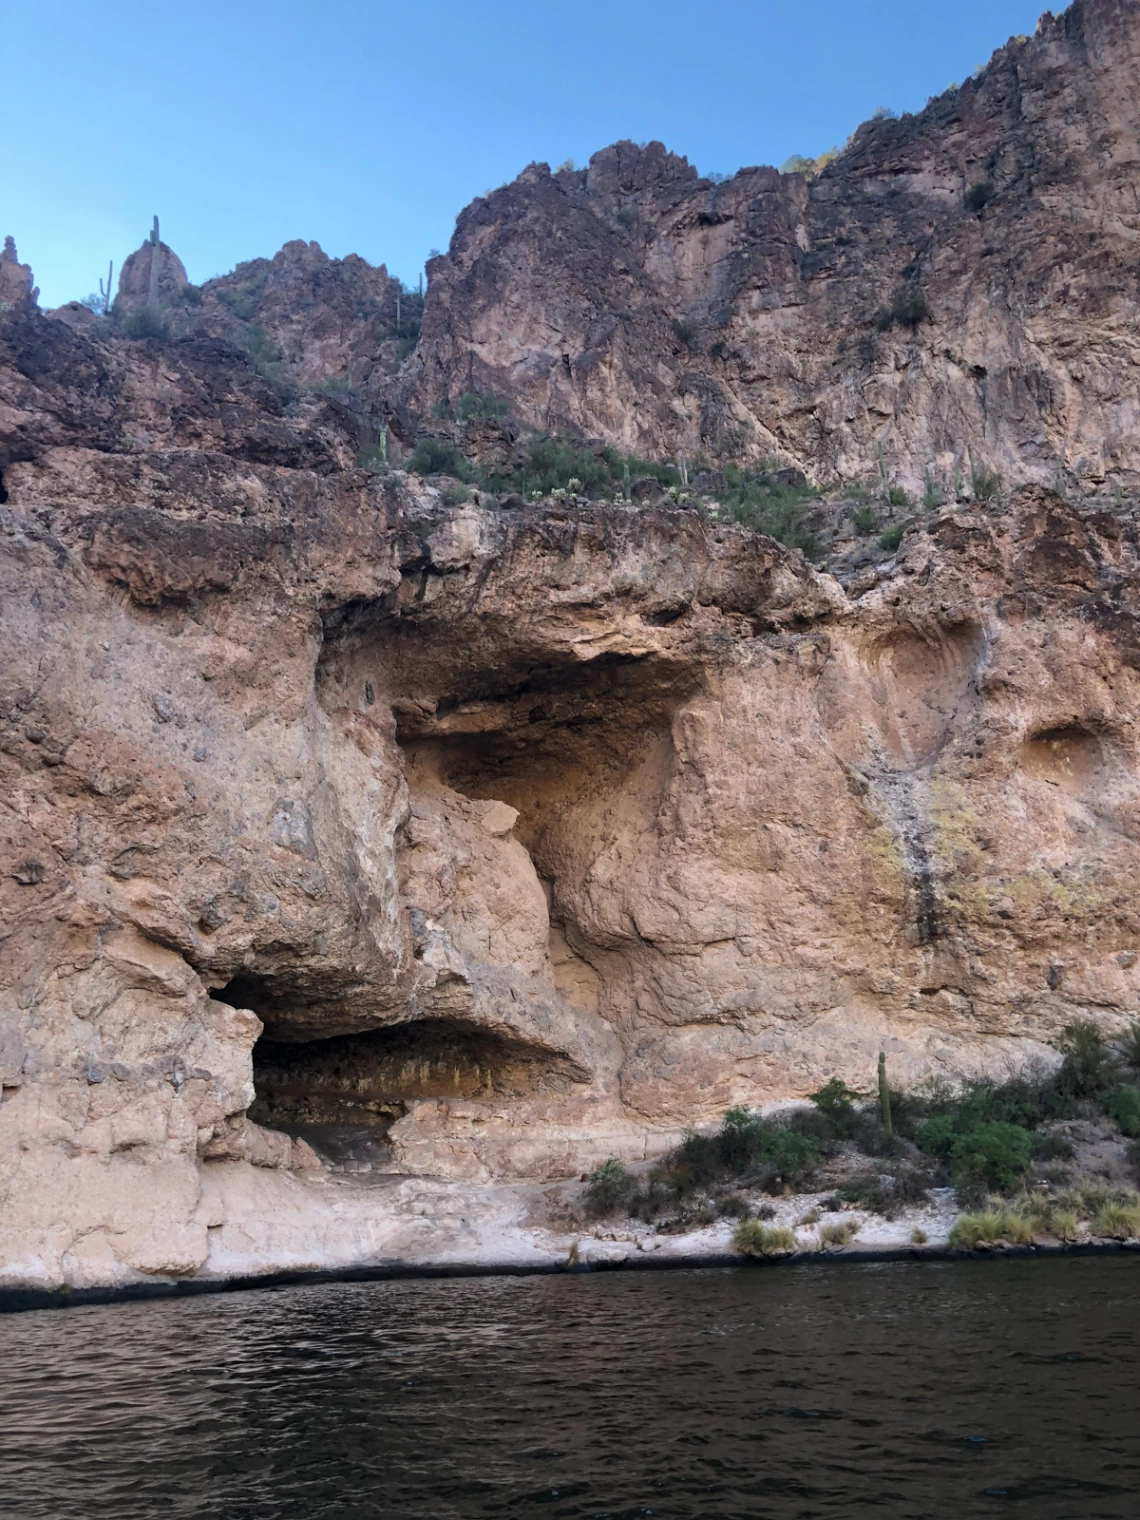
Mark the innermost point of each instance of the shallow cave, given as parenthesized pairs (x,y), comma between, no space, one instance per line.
(343,1094)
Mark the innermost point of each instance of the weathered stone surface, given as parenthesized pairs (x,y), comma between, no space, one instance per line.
(528,835)
(667,314)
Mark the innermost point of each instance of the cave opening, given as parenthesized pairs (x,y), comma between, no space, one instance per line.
(343,1093)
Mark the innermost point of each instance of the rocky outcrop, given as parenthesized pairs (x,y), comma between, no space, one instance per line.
(507,838)
(959,281)
(17,287)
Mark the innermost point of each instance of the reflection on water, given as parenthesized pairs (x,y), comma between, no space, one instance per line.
(925,1390)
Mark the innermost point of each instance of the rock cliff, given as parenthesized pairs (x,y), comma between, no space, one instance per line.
(504,838)
(961,279)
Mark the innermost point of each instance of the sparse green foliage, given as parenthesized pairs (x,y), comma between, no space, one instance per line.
(979,195)
(1087,1068)
(932,493)
(472,404)
(865,520)
(609,1187)
(438,456)
(891,538)
(244,298)
(908,308)
(897,497)
(884,1096)
(838,1234)
(990,1226)
(985,484)
(752,1238)
(1124,1107)
(686,331)
(1129,1045)
(1117,1221)
(147,322)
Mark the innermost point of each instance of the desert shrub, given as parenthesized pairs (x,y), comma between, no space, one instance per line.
(734,1207)
(146,322)
(244,299)
(992,1156)
(765,1152)
(908,308)
(985,484)
(373,456)
(1124,1107)
(808,1219)
(838,1234)
(438,456)
(472,404)
(865,520)
(609,1186)
(1051,1148)
(752,1238)
(979,195)
(918,1236)
(1087,1068)
(686,331)
(836,1102)
(263,353)
(990,1224)
(455,496)
(1118,1221)
(891,538)
(1128,1045)
(888,1193)
(550,463)
(898,497)
(932,494)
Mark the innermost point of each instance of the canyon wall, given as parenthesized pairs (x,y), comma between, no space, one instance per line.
(512,837)
(644,305)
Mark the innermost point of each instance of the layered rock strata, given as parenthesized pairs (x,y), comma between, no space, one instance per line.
(501,839)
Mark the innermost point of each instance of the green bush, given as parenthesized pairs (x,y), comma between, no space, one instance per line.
(908,308)
(1129,1046)
(838,1234)
(1087,1070)
(836,1102)
(865,520)
(438,456)
(993,1156)
(979,195)
(244,299)
(1118,1221)
(1124,1107)
(898,497)
(472,404)
(146,322)
(891,538)
(609,1186)
(993,1224)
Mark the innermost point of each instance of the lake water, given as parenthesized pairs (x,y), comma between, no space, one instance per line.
(899,1389)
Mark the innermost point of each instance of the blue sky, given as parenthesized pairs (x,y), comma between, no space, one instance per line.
(369,126)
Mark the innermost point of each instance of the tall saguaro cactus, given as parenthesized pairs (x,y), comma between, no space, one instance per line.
(155,265)
(106,294)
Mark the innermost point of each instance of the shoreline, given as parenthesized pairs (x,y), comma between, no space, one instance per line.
(25,1300)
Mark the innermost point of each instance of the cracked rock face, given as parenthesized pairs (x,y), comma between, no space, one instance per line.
(511,839)
(669,314)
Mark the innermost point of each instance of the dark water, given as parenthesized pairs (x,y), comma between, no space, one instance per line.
(925,1389)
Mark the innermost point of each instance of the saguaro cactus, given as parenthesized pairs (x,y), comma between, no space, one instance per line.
(155,265)
(625,482)
(106,294)
(885,1096)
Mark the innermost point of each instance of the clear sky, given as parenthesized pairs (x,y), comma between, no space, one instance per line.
(368,126)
